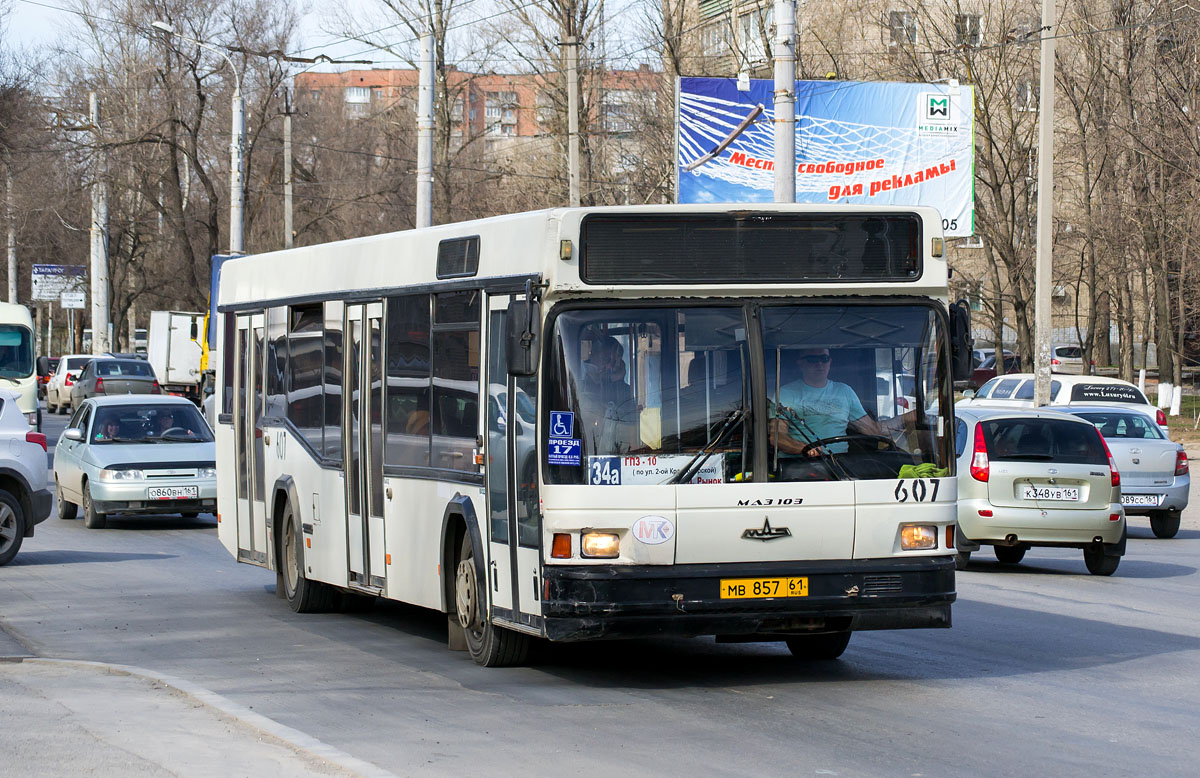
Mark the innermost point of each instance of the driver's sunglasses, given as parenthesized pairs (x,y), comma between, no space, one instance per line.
(816,359)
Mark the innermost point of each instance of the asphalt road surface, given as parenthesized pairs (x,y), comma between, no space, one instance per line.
(1047,670)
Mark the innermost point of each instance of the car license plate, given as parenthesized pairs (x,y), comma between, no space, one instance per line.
(174,492)
(1140,499)
(763,588)
(1062,493)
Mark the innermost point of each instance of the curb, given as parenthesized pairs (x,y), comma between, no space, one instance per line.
(292,737)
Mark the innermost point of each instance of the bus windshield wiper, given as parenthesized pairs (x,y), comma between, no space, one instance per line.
(693,465)
(797,422)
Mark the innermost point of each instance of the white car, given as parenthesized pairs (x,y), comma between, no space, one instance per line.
(1068,359)
(58,389)
(24,499)
(1016,390)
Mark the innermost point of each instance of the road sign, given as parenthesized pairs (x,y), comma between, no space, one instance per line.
(50,281)
(73,299)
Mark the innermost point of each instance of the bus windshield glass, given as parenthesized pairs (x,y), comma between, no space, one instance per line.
(16,351)
(652,393)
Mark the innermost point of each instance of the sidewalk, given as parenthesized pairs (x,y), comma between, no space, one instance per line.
(62,717)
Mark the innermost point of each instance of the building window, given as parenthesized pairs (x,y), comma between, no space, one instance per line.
(500,112)
(968,29)
(754,29)
(1028,96)
(714,39)
(902,26)
(618,109)
(358,94)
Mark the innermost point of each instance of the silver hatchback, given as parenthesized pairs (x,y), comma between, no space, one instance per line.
(1155,477)
(1037,478)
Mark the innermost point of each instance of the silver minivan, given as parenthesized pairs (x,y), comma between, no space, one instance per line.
(1037,478)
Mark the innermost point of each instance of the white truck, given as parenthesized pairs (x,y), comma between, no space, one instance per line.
(173,349)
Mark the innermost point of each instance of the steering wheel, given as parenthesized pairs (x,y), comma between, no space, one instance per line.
(174,431)
(891,444)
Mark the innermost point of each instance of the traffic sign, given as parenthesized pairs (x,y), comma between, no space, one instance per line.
(73,299)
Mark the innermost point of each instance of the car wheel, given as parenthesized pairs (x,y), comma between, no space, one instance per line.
(1010,555)
(12,526)
(819,647)
(92,519)
(50,407)
(489,645)
(1099,563)
(66,510)
(1165,524)
(302,595)
(961,560)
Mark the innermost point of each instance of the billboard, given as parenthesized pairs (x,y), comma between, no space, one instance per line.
(48,282)
(862,143)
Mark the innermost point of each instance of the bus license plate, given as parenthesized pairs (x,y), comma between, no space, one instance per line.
(1064,493)
(762,588)
(174,492)
(1139,499)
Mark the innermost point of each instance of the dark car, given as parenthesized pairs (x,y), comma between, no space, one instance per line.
(987,370)
(103,376)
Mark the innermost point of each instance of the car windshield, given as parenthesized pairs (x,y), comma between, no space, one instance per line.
(1038,439)
(1124,425)
(16,351)
(123,367)
(150,423)
(637,393)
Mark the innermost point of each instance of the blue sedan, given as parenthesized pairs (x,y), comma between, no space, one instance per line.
(135,454)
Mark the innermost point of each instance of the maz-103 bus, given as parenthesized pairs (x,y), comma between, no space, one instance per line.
(598,423)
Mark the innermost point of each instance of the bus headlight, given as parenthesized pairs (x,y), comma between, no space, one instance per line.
(603,545)
(917,537)
(121,475)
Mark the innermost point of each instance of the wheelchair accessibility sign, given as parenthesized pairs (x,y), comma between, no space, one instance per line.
(562,424)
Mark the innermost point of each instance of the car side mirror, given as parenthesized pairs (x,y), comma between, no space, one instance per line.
(968,394)
(73,433)
(43,367)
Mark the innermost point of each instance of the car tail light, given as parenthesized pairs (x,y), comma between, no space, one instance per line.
(1160,416)
(40,439)
(979,458)
(1055,362)
(1112,466)
(1181,463)
(155,389)
(99,384)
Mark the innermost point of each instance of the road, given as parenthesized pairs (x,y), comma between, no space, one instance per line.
(1047,670)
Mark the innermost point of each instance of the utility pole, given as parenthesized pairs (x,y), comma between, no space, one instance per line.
(425,130)
(785,101)
(1045,212)
(12,232)
(99,234)
(572,44)
(288,229)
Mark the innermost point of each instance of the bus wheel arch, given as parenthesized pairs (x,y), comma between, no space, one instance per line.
(291,582)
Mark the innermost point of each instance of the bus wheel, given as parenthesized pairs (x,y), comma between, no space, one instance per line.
(488,645)
(817,647)
(302,595)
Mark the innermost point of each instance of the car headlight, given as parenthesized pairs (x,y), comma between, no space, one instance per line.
(206,472)
(121,475)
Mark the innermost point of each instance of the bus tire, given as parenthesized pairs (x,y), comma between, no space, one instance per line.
(91,518)
(12,526)
(1010,555)
(1165,524)
(302,595)
(819,647)
(66,510)
(489,645)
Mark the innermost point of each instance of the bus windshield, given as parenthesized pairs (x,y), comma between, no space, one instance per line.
(16,351)
(852,392)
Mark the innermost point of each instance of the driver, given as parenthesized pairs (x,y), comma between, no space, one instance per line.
(829,409)
(165,421)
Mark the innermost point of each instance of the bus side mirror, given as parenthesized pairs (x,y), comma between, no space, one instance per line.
(524,323)
(43,367)
(961,344)
(195,334)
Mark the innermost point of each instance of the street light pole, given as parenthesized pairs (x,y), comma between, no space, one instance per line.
(236,144)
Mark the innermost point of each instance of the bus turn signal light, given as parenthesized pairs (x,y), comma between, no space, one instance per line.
(949,536)
(561,548)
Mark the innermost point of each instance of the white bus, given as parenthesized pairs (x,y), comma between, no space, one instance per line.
(598,423)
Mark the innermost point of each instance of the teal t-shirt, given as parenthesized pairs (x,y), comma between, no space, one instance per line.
(826,410)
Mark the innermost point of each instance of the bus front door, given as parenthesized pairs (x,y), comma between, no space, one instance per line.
(513,525)
(249,401)
(363,441)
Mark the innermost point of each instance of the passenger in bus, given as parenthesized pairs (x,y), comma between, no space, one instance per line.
(828,409)
(606,401)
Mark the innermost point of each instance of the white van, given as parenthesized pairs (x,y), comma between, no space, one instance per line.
(17,362)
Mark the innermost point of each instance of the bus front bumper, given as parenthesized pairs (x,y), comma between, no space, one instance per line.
(590,602)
